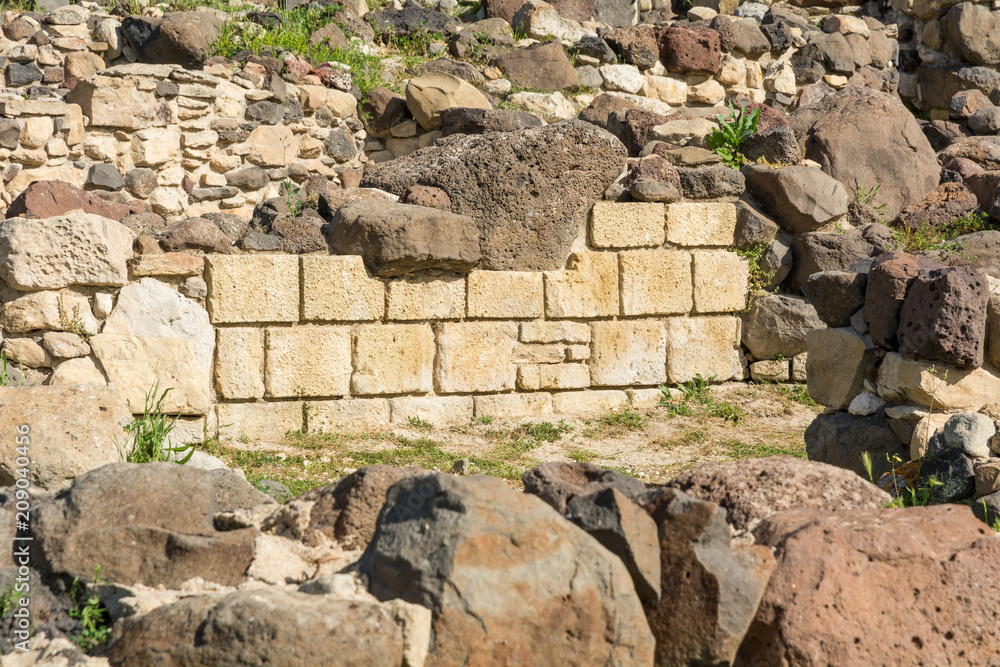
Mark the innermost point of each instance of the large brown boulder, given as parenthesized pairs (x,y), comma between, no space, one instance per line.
(148,523)
(943,317)
(877,587)
(978,250)
(529,191)
(889,278)
(942,206)
(396,239)
(840,438)
(799,199)
(47,199)
(261,627)
(179,38)
(755,489)
(710,587)
(685,50)
(867,138)
(505,576)
(542,66)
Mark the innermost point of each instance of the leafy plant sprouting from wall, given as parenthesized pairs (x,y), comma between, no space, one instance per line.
(733,130)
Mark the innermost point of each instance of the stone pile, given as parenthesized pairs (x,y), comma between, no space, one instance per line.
(908,372)
(393,566)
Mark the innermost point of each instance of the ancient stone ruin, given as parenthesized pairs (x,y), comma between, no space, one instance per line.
(240,235)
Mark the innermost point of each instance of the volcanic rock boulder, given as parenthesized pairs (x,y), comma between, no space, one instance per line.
(528,191)
(799,199)
(179,38)
(863,137)
(558,483)
(889,278)
(626,531)
(840,439)
(944,317)
(148,523)
(396,239)
(710,588)
(877,586)
(504,575)
(754,489)
(778,324)
(260,627)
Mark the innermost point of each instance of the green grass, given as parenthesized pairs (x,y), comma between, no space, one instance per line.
(939,237)
(737,450)
(698,398)
(626,418)
(148,435)
(796,392)
(420,424)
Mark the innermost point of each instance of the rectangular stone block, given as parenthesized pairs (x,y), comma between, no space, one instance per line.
(589,288)
(533,377)
(505,294)
(438,410)
(258,421)
(701,224)
(514,406)
(706,346)
(353,413)
(628,353)
(252,288)
(393,359)
(577,352)
(239,363)
(588,402)
(720,281)
(646,398)
(307,361)
(475,356)
(426,298)
(539,354)
(555,332)
(656,282)
(338,288)
(627,225)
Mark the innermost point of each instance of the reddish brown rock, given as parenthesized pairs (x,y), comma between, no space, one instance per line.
(889,278)
(106,518)
(194,234)
(636,44)
(637,126)
(381,110)
(603,106)
(47,199)
(507,579)
(690,50)
(944,317)
(710,588)
(963,167)
(877,587)
(947,202)
(653,168)
(754,489)
(424,195)
(770,117)
(539,67)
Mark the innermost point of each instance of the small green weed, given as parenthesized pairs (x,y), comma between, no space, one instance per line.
(866,195)
(796,392)
(938,237)
(485,419)
(420,424)
(7,598)
(733,130)
(545,431)
(148,434)
(738,450)
(758,279)
(626,418)
(93,616)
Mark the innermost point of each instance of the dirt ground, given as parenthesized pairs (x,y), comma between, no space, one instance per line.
(717,423)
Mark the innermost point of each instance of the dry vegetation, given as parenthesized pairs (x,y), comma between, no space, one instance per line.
(703,424)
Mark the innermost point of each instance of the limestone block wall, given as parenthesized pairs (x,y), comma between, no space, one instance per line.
(315,342)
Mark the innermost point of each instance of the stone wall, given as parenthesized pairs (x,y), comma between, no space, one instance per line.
(263,344)
(178,142)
